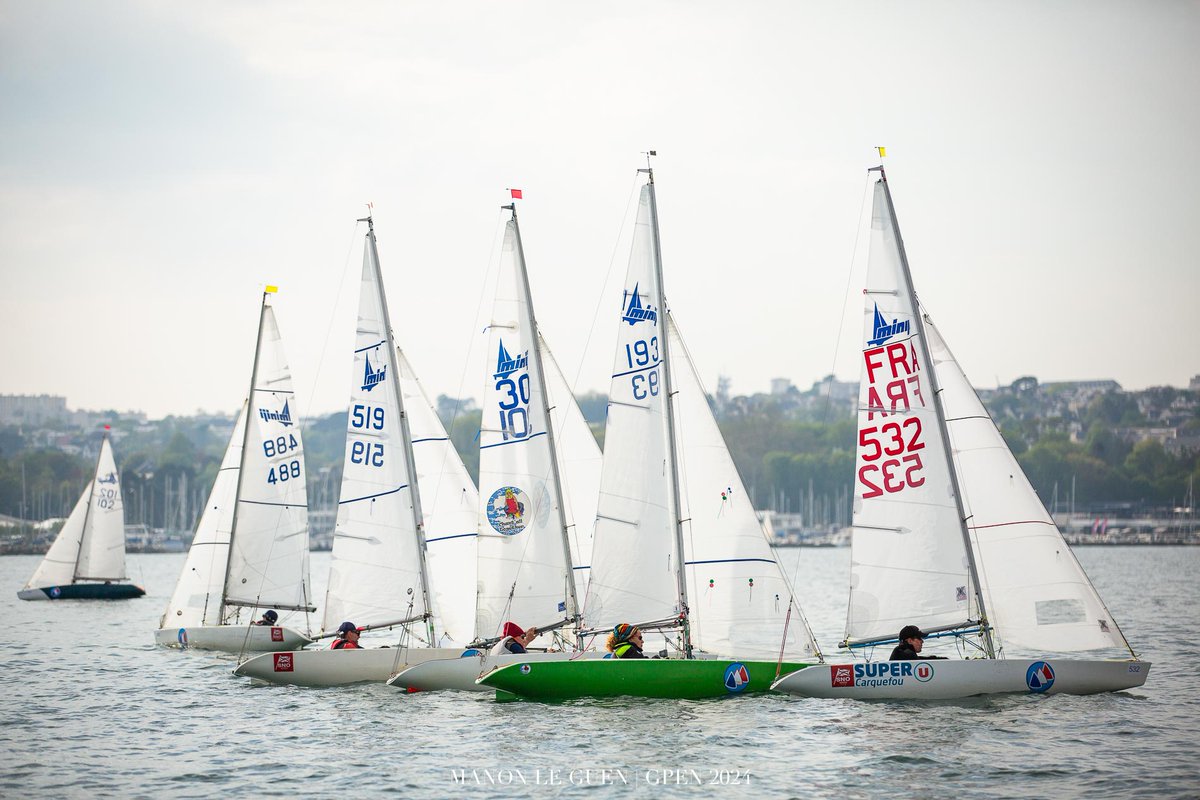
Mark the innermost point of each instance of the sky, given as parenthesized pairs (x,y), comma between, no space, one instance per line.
(161,162)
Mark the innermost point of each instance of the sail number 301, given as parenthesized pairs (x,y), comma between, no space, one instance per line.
(514,407)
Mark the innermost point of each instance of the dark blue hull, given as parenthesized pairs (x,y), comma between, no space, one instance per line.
(84,591)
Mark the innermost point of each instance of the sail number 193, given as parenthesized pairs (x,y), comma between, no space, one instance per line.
(642,353)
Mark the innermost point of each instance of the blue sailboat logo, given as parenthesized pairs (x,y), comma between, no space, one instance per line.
(372,377)
(506,365)
(884,331)
(283,417)
(109,478)
(635,312)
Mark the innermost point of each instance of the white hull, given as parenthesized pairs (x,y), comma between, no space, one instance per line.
(231,638)
(462,673)
(944,680)
(338,667)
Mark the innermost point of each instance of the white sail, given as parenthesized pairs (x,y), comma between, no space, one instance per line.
(197,596)
(451,505)
(523,569)
(908,557)
(634,568)
(738,596)
(58,566)
(376,574)
(268,559)
(102,550)
(1037,595)
(579,462)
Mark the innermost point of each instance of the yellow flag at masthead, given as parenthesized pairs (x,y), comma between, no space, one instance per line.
(882,151)
(271,289)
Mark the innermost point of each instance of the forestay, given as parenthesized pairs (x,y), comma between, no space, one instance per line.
(908,555)
(102,549)
(1037,595)
(268,559)
(197,597)
(524,573)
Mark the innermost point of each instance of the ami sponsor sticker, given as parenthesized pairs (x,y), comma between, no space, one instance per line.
(841,675)
(284,662)
(276,634)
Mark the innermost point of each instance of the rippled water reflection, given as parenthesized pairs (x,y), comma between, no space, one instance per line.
(90,707)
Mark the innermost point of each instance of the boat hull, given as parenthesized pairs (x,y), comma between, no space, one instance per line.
(669,678)
(84,591)
(947,680)
(338,667)
(462,674)
(231,638)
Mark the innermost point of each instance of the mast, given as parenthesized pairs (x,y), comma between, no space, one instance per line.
(406,435)
(569,577)
(87,514)
(262,315)
(669,406)
(927,365)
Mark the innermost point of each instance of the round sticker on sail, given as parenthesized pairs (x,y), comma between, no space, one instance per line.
(507,510)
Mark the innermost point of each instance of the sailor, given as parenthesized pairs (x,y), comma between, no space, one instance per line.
(909,649)
(515,640)
(626,641)
(347,637)
(269,617)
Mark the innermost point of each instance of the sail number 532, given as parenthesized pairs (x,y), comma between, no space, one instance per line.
(892,474)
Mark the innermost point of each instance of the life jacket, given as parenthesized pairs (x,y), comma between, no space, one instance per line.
(344,644)
(627,650)
(507,645)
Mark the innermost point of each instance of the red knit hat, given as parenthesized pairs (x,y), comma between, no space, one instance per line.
(512,629)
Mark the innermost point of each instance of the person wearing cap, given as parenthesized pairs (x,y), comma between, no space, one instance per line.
(347,637)
(269,617)
(626,641)
(909,649)
(514,639)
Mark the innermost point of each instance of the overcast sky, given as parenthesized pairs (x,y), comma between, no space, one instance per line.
(161,162)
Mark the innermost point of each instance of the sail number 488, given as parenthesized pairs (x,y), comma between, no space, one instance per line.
(890,475)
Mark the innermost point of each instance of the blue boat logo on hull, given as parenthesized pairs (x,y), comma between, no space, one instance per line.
(737,677)
(1039,677)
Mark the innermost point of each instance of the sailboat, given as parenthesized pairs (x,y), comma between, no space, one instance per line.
(948,533)
(539,474)
(86,561)
(678,549)
(250,550)
(403,489)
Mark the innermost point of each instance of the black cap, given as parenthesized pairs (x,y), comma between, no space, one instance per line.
(270,615)
(346,627)
(911,632)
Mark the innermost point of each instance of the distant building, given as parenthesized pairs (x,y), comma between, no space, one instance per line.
(780,386)
(20,409)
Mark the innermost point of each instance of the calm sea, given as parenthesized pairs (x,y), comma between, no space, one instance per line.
(89,707)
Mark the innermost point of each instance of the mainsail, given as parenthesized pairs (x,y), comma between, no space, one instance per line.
(268,555)
(525,560)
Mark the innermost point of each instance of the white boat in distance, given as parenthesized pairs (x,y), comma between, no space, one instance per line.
(86,561)
(250,550)
(406,520)
(948,533)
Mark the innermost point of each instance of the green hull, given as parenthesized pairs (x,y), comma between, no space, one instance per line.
(671,678)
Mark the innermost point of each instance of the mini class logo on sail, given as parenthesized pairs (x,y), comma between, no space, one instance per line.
(283,417)
(506,510)
(883,331)
(635,312)
(506,365)
(373,377)
(109,478)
